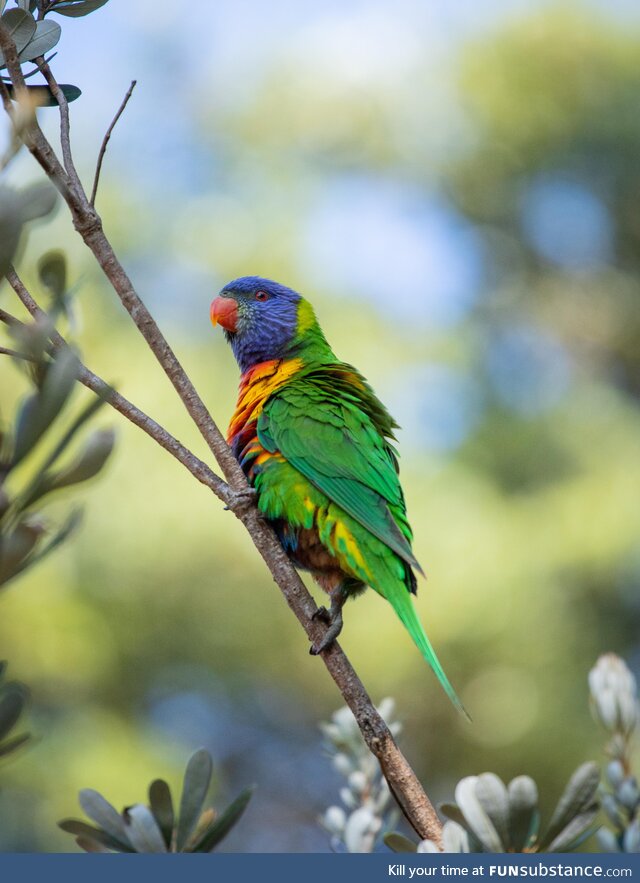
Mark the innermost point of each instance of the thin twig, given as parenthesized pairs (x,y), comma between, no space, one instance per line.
(65,125)
(105,141)
(16,355)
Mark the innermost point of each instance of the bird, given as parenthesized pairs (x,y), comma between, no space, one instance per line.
(316,444)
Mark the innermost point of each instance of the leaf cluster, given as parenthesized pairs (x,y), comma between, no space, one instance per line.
(157,827)
(25,537)
(35,37)
(489,816)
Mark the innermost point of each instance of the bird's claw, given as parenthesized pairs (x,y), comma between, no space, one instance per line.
(334,621)
(322,614)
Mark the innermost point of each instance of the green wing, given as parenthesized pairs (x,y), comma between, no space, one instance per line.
(330,431)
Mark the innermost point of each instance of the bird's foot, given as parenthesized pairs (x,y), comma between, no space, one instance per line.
(333,619)
(322,614)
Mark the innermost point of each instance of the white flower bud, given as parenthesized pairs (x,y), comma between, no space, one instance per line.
(614,694)
(334,820)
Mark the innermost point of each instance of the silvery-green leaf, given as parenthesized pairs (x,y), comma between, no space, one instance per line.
(197,779)
(575,832)
(428,846)
(100,811)
(612,810)
(39,411)
(37,200)
(492,794)
(399,843)
(607,840)
(90,461)
(21,26)
(76,8)
(454,838)
(81,829)
(162,807)
(46,36)
(627,794)
(523,811)
(615,773)
(142,830)
(217,831)
(475,816)
(358,829)
(631,839)
(578,797)
(42,96)
(10,226)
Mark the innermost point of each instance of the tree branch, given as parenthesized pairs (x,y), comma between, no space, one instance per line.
(398,773)
(105,141)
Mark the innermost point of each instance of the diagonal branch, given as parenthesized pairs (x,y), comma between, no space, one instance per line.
(397,771)
(105,141)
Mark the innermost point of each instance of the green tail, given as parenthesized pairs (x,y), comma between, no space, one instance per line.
(403,606)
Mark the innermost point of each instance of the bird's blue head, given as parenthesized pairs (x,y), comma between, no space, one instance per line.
(262,320)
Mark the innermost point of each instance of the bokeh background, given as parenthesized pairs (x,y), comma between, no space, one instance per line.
(456,187)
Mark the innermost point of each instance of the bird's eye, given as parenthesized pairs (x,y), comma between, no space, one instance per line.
(262,295)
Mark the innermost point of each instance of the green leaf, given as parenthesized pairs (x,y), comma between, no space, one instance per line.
(143,830)
(576,831)
(15,548)
(12,702)
(37,201)
(162,808)
(10,227)
(216,832)
(13,744)
(76,8)
(42,96)
(40,410)
(91,460)
(81,829)
(21,26)
(46,36)
(579,797)
(100,811)
(52,272)
(523,811)
(197,779)
(399,843)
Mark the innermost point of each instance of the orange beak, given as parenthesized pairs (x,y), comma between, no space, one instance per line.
(224,311)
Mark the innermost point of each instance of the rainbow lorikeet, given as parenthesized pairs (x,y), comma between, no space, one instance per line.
(313,440)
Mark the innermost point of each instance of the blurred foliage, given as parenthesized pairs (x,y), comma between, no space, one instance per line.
(160,629)
(25,536)
(156,828)
(614,701)
(13,700)
(366,794)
